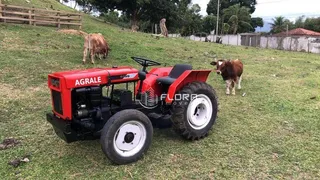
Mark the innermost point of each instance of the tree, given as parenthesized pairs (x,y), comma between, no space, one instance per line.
(148,11)
(225,28)
(213,4)
(112,16)
(300,22)
(224,4)
(251,4)
(209,23)
(158,9)
(86,5)
(256,22)
(313,24)
(132,8)
(187,19)
(237,17)
(278,24)
(288,24)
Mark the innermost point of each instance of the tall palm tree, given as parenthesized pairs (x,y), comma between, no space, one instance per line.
(278,24)
(237,16)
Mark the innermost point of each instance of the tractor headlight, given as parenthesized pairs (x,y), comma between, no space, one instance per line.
(55,82)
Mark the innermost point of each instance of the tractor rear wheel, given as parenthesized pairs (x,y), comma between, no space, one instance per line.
(126,136)
(195,113)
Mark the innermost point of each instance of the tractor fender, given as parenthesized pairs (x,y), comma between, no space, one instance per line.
(185,78)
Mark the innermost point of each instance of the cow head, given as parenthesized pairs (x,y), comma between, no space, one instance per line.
(221,65)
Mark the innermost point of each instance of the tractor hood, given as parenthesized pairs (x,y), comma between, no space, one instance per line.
(95,76)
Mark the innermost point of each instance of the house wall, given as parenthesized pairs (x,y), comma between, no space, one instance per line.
(301,44)
(226,39)
(294,43)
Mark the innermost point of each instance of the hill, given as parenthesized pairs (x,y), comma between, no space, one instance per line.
(49,4)
(272,132)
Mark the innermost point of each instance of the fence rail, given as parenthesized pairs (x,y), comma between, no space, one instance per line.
(36,16)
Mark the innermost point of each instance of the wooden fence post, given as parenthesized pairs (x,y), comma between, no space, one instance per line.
(80,16)
(34,22)
(30,17)
(0,10)
(4,14)
(68,21)
(58,14)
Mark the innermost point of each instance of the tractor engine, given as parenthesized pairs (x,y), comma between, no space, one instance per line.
(87,106)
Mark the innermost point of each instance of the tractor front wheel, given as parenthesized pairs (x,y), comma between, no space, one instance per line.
(126,136)
(194,114)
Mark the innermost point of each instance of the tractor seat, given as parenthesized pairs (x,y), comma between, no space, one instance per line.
(176,71)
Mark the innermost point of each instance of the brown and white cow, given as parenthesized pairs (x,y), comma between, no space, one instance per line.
(96,45)
(231,72)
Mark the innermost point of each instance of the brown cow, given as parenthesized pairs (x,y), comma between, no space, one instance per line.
(231,72)
(96,45)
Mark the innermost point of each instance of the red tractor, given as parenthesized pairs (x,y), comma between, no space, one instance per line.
(86,106)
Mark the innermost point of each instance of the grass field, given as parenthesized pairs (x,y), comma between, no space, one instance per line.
(271,133)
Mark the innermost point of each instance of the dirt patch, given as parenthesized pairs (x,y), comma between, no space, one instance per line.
(8,143)
(73,32)
(10,92)
(11,41)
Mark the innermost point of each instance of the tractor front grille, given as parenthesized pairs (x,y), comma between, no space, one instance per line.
(57,101)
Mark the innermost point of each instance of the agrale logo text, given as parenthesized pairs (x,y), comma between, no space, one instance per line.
(86,81)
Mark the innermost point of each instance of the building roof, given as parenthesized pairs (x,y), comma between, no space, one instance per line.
(299,32)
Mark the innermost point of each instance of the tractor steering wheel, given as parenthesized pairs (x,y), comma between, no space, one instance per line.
(145,62)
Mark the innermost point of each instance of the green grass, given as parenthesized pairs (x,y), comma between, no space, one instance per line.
(271,133)
(39,4)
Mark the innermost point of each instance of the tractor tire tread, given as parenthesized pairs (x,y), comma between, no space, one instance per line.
(179,111)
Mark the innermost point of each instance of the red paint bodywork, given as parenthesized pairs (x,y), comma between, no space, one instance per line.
(185,78)
(150,81)
(68,80)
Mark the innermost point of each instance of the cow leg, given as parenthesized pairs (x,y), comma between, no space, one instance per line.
(99,56)
(92,56)
(239,82)
(228,84)
(233,91)
(85,53)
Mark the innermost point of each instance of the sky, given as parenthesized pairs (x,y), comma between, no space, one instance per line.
(267,9)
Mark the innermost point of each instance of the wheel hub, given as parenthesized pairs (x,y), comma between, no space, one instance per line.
(130,138)
(199,112)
